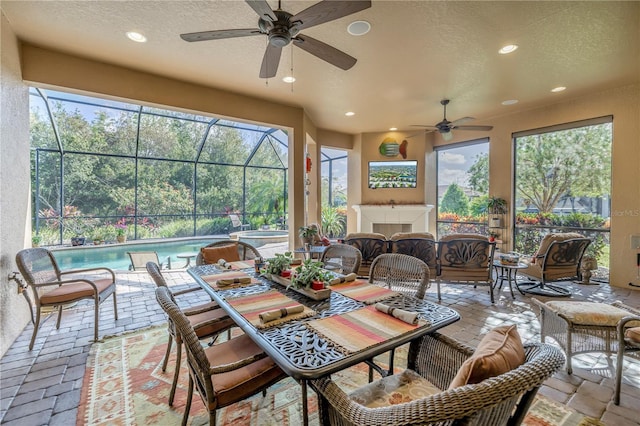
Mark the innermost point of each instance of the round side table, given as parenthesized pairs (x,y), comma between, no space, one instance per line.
(508,272)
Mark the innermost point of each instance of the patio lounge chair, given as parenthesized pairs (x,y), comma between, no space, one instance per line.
(139,260)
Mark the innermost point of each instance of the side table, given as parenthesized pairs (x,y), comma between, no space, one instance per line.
(187,257)
(508,272)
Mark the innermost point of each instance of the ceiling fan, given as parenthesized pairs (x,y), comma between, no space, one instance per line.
(445,126)
(282,28)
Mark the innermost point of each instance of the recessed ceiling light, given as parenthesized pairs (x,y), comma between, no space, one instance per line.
(358,28)
(137,37)
(289,79)
(510,102)
(393,129)
(558,89)
(350,113)
(508,49)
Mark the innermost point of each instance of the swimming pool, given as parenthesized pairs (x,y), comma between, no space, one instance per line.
(115,256)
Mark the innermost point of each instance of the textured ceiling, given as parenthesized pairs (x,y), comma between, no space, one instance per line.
(416,53)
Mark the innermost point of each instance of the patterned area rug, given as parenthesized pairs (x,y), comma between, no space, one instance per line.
(124,385)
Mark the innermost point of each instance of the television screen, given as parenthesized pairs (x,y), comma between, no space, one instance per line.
(393,174)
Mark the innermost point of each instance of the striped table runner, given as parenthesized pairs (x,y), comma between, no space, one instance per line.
(212,280)
(364,292)
(250,307)
(360,329)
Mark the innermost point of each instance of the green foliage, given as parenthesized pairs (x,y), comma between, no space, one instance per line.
(573,162)
(479,174)
(478,205)
(306,232)
(455,201)
(310,270)
(497,205)
(333,221)
(281,262)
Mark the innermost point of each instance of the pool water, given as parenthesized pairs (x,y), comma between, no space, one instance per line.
(115,256)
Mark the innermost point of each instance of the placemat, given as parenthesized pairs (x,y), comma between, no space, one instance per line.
(364,292)
(360,329)
(212,280)
(253,305)
(238,264)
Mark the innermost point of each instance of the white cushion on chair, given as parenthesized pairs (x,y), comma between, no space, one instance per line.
(396,389)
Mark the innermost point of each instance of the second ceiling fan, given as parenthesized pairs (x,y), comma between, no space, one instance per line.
(282,28)
(445,126)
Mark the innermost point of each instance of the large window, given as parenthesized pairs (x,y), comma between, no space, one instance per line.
(563,184)
(463,187)
(334,192)
(99,166)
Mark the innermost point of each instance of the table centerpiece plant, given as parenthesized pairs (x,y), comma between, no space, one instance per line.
(281,262)
(310,273)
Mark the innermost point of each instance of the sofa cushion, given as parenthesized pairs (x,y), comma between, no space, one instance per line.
(633,334)
(499,351)
(395,389)
(405,235)
(228,252)
(550,238)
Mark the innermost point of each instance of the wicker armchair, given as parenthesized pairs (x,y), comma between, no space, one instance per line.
(402,273)
(225,373)
(499,400)
(628,345)
(465,259)
(341,258)
(39,268)
(245,251)
(557,259)
(370,245)
(417,244)
(207,320)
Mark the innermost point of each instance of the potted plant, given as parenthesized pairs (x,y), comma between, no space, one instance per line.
(98,238)
(121,232)
(306,234)
(281,262)
(492,236)
(310,274)
(496,205)
(36,240)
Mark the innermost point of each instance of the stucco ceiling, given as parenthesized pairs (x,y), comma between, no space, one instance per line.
(416,53)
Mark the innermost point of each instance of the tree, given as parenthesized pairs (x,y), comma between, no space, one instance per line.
(574,162)
(455,201)
(479,174)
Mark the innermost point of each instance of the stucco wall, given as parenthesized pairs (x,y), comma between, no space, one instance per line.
(14,183)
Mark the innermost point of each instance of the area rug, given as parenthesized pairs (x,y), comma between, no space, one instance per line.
(124,385)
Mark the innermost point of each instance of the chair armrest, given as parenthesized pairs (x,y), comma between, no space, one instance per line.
(63,282)
(236,365)
(185,291)
(77,271)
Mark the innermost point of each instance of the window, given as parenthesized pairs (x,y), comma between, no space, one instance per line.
(334,191)
(463,187)
(563,184)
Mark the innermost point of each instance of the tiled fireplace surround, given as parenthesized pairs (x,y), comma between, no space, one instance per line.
(389,218)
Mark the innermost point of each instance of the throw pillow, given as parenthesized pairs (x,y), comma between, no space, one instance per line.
(633,334)
(227,252)
(499,351)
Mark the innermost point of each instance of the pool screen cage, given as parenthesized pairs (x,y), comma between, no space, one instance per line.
(102,169)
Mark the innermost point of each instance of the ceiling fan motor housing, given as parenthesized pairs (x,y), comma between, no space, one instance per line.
(280,32)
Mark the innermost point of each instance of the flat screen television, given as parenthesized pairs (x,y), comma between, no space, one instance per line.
(393,174)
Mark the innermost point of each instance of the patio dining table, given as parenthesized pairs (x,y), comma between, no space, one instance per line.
(295,345)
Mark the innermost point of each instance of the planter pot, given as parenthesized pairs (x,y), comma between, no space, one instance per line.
(323,294)
(495,222)
(285,274)
(121,238)
(317,285)
(77,241)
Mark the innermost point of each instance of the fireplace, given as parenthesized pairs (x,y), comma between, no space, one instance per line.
(390,218)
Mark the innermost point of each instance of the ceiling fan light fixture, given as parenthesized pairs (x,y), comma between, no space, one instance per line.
(136,36)
(510,102)
(358,28)
(558,89)
(509,48)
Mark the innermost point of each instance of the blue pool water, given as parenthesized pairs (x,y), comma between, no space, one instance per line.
(115,256)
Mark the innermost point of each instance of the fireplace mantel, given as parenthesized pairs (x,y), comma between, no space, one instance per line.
(417,215)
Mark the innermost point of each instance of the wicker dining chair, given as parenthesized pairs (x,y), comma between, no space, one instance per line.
(228,250)
(225,373)
(402,273)
(629,343)
(39,268)
(499,400)
(341,258)
(207,320)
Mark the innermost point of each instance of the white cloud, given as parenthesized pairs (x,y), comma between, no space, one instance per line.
(449,176)
(449,158)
